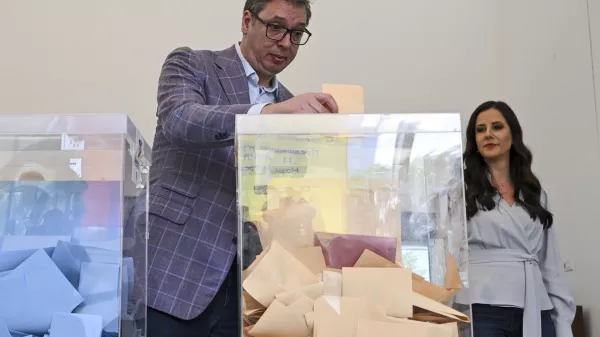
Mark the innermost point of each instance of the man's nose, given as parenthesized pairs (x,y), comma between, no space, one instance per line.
(286,42)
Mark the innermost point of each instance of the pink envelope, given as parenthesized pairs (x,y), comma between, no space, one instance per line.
(344,250)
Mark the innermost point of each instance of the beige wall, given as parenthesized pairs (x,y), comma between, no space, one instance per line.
(105,56)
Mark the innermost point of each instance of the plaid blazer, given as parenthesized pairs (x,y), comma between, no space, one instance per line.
(193,220)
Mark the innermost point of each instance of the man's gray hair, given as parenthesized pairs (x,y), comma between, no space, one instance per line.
(256,6)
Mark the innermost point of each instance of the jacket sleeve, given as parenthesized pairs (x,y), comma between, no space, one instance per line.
(186,120)
(552,269)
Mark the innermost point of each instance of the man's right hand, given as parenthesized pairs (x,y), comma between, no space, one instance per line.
(304,104)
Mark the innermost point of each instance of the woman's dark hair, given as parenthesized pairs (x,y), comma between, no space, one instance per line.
(479,192)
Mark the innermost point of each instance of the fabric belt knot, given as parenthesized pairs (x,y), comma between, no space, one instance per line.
(532,321)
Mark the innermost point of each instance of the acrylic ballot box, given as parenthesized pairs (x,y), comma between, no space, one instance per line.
(72,189)
(351,225)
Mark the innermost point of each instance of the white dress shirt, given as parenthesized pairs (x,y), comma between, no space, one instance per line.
(259,95)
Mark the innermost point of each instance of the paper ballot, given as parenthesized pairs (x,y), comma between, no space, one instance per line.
(349,98)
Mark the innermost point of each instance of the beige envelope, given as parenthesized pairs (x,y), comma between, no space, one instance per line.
(312,257)
(370,328)
(419,284)
(254,263)
(337,316)
(435,311)
(278,321)
(288,298)
(250,303)
(332,282)
(301,306)
(349,98)
(247,330)
(452,278)
(452,327)
(312,291)
(310,321)
(278,271)
(370,259)
(252,316)
(389,287)
(425,288)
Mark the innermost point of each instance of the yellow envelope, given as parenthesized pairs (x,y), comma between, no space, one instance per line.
(349,98)
(278,271)
(279,321)
(389,287)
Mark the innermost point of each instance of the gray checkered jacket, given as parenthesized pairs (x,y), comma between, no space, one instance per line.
(193,220)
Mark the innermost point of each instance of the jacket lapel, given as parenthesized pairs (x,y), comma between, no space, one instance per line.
(283,94)
(232,76)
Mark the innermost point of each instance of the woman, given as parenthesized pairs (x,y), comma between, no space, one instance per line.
(516,281)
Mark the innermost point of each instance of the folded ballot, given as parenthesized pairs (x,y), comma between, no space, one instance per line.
(63,291)
(298,292)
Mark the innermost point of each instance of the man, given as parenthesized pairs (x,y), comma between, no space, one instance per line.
(192,279)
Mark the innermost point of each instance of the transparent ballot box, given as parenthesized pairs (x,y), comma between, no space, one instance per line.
(351,225)
(72,263)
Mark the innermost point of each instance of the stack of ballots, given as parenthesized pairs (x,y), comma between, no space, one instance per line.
(66,290)
(345,285)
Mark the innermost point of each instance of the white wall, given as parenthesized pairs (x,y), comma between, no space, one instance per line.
(547,77)
(105,56)
(594,20)
(594,14)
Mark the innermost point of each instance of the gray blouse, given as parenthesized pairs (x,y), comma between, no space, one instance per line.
(513,261)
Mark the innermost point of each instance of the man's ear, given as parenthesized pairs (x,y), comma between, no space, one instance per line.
(246,21)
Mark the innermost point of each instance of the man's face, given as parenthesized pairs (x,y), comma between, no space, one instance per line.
(269,57)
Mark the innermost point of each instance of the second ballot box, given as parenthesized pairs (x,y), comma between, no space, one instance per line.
(73,191)
(351,225)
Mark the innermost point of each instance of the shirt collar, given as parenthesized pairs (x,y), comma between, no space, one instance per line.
(251,73)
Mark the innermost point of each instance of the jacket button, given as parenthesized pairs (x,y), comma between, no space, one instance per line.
(234,240)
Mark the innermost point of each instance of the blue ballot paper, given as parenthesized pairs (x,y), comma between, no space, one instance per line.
(87,254)
(13,308)
(29,242)
(19,334)
(64,256)
(4,329)
(99,287)
(70,325)
(10,260)
(66,283)
(30,306)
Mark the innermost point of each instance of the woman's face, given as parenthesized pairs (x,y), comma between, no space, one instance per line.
(492,135)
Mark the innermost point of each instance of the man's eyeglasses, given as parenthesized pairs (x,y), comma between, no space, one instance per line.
(278,32)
